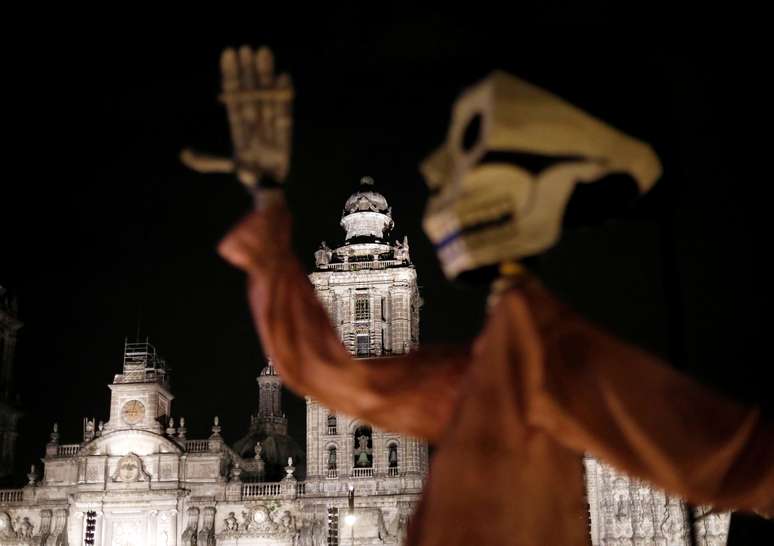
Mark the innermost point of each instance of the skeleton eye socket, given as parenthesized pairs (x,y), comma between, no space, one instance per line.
(472,133)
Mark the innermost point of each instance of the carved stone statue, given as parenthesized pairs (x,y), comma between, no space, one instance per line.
(24,529)
(286,522)
(402,250)
(305,535)
(323,255)
(89,428)
(230,523)
(258,450)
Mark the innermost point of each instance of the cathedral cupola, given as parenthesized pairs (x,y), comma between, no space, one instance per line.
(270,416)
(267,441)
(366,217)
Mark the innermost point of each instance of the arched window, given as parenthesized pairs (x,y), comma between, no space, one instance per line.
(331,463)
(392,459)
(363,452)
(332,457)
(331,424)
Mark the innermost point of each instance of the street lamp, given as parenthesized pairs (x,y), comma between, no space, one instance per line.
(350,519)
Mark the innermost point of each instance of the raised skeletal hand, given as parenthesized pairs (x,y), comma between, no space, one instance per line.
(259,107)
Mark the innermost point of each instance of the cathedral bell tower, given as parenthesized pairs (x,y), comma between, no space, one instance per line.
(270,419)
(140,397)
(368,286)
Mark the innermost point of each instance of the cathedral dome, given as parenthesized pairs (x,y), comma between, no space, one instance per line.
(366,198)
(275,450)
(367,217)
(269,370)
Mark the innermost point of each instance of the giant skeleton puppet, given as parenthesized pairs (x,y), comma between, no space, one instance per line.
(541,384)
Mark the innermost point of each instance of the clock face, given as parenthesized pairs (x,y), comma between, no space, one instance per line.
(133,412)
(259,516)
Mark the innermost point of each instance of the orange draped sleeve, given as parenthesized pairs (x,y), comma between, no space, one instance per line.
(512,415)
(595,393)
(414,394)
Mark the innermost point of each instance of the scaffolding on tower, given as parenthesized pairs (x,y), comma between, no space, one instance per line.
(143,364)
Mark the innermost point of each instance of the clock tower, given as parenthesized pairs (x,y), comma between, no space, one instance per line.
(140,398)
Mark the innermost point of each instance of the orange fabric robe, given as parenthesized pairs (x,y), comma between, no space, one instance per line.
(511,415)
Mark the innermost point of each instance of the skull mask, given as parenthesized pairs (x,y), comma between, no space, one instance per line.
(485,208)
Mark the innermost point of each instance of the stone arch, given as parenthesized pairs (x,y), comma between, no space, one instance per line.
(363,442)
(331,423)
(392,456)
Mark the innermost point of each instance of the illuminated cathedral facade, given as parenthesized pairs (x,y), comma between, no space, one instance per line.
(137,479)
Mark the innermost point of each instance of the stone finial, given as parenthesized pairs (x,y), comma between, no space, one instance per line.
(171,427)
(53,444)
(32,476)
(236,471)
(289,470)
(181,430)
(100,428)
(215,441)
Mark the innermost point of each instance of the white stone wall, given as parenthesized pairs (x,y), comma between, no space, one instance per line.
(629,512)
(393,300)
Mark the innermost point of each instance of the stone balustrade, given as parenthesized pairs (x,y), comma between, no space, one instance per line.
(68,450)
(197,446)
(10,496)
(252,490)
(363,472)
(356,266)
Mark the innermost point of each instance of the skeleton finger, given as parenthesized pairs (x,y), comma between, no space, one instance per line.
(205,163)
(229,66)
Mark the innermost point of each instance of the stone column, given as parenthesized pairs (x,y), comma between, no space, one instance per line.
(313,433)
(164,528)
(99,530)
(151,528)
(75,525)
(379,459)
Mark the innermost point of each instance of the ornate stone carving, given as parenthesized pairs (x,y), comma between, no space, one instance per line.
(192,524)
(129,470)
(45,524)
(323,255)
(58,533)
(230,524)
(6,528)
(402,250)
(207,534)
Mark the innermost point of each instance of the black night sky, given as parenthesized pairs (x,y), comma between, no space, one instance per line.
(104,231)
